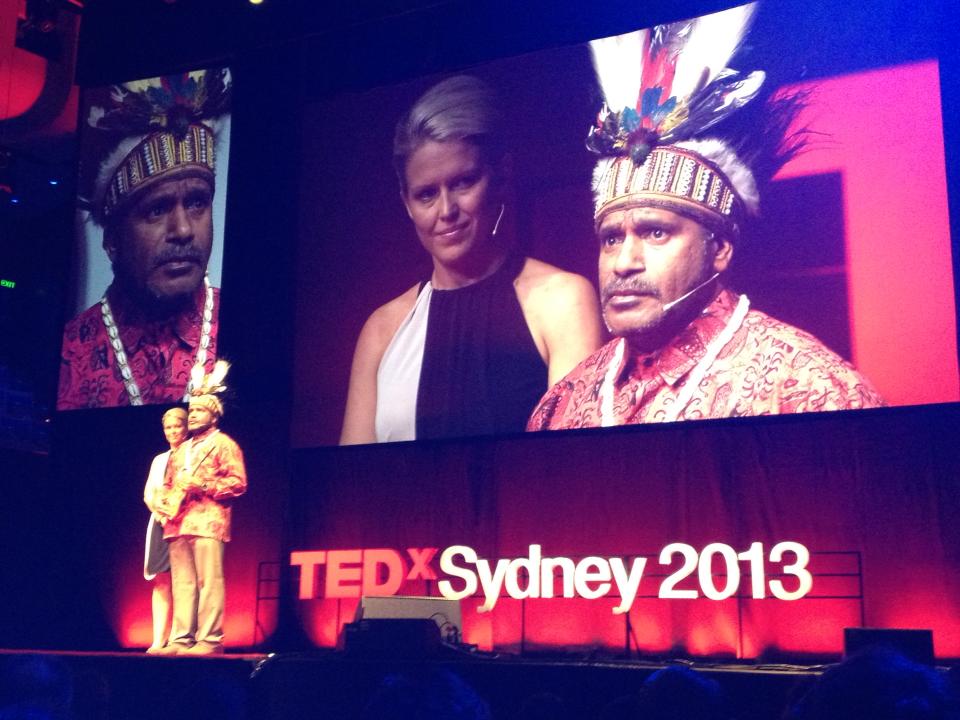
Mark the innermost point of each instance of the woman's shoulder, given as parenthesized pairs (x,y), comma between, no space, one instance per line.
(383,322)
(540,281)
(562,312)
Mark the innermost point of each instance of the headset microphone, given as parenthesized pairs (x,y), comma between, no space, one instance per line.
(691,292)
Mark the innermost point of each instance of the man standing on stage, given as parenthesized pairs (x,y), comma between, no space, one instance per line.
(672,190)
(156,566)
(203,477)
(153,198)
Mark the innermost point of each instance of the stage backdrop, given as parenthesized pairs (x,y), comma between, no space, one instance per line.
(873,495)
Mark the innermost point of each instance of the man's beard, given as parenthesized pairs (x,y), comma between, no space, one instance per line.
(157,305)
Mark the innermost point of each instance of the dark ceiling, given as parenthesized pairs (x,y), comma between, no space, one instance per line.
(126,39)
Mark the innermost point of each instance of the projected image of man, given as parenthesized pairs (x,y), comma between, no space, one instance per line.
(153,198)
(673,187)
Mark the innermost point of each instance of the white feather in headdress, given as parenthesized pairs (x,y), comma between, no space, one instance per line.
(211,384)
(618,62)
(712,41)
(196,378)
(214,382)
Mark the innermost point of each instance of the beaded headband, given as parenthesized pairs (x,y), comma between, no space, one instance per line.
(156,156)
(673,178)
(156,127)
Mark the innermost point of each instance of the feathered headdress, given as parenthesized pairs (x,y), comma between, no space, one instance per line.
(162,125)
(665,88)
(204,388)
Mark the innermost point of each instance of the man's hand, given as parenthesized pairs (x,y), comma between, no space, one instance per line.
(189,483)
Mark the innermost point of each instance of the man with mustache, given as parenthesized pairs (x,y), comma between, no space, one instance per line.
(158,318)
(685,347)
(204,476)
(671,193)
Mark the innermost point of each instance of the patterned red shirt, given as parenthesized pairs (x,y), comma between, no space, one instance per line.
(160,354)
(211,466)
(766,368)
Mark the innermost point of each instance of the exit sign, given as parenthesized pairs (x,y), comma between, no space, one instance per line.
(7,283)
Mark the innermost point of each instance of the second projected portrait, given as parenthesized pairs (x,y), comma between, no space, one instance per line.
(151,197)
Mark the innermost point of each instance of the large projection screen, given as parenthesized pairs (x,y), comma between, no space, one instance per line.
(840,249)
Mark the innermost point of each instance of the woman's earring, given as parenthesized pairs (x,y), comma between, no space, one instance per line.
(496,225)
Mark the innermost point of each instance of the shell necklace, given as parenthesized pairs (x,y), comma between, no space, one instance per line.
(608,391)
(129,382)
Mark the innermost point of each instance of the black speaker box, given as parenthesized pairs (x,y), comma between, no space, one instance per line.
(392,638)
(917,645)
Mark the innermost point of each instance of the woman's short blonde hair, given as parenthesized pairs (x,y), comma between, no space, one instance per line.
(177,412)
(461,107)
